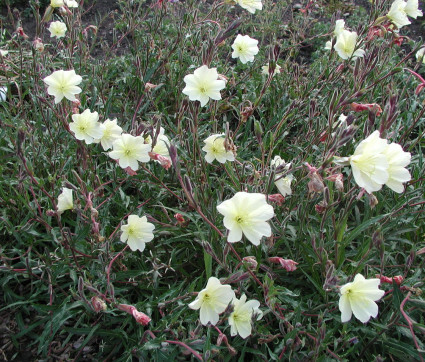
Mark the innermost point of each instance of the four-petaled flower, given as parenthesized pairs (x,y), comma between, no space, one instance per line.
(86,126)
(65,200)
(111,132)
(63,83)
(128,149)
(358,298)
(212,301)
(283,184)
(240,318)
(250,5)
(245,48)
(215,149)
(346,44)
(203,84)
(137,232)
(397,14)
(369,163)
(246,213)
(57,29)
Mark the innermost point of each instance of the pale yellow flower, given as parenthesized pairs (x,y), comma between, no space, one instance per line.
(397,14)
(241,317)
(111,132)
(212,301)
(128,150)
(346,43)
(65,200)
(359,297)
(56,3)
(63,83)
(250,5)
(137,232)
(245,48)
(214,147)
(57,29)
(246,213)
(86,126)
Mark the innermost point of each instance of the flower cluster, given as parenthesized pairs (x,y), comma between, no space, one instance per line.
(214,300)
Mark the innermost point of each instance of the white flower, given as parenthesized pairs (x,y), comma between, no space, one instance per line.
(240,318)
(137,232)
(397,161)
(203,85)
(212,300)
(397,14)
(339,27)
(420,55)
(214,147)
(86,126)
(128,149)
(57,29)
(63,83)
(56,3)
(71,3)
(111,131)
(3,53)
(244,48)
(370,164)
(412,9)
(346,43)
(3,94)
(65,200)
(359,297)
(265,69)
(250,5)
(283,184)
(246,213)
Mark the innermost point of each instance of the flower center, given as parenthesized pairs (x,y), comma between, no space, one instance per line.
(203,90)
(239,219)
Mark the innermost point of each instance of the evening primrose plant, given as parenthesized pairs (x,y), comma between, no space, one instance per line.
(148,211)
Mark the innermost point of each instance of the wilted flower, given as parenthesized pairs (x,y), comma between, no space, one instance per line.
(128,149)
(215,149)
(111,132)
(203,85)
(137,232)
(240,318)
(397,14)
(86,126)
(371,107)
(359,297)
(250,5)
(57,29)
(397,161)
(245,48)
(369,163)
(346,43)
(212,300)
(65,200)
(246,213)
(63,83)
(98,304)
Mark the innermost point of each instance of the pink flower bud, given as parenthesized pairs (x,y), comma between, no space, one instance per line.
(164,161)
(372,107)
(140,317)
(398,279)
(180,219)
(288,264)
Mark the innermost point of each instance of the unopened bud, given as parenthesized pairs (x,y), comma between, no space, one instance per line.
(250,262)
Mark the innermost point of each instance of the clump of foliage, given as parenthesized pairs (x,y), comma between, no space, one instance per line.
(73,290)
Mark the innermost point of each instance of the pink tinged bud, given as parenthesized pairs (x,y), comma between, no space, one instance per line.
(98,304)
(398,279)
(140,317)
(371,107)
(21,32)
(164,161)
(278,199)
(338,179)
(320,207)
(398,40)
(340,68)
(75,106)
(288,264)
(38,45)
